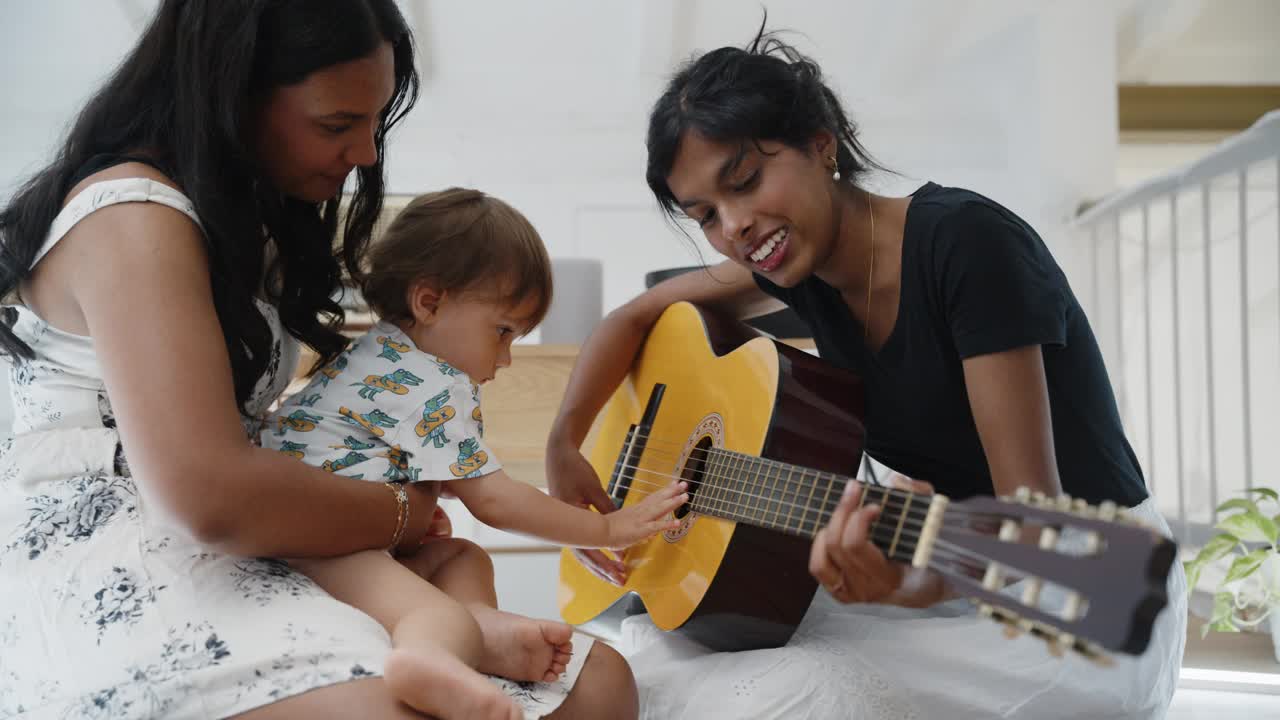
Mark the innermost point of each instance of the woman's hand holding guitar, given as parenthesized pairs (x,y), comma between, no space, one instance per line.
(852,569)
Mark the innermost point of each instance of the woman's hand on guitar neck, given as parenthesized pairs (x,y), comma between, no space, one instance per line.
(853,569)
(572,479)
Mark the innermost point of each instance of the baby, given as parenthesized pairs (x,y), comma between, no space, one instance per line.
(457,276)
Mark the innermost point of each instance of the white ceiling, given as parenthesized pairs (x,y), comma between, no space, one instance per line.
(1199,42)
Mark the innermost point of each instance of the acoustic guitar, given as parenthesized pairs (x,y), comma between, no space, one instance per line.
(767,436)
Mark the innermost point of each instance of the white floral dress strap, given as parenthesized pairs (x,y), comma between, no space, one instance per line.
(110,192)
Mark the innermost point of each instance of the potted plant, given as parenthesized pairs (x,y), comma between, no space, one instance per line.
(1250,591)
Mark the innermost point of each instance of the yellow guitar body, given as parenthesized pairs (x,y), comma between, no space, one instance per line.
(672,574)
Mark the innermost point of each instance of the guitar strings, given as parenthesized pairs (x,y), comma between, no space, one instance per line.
(713,502)
(771,504)
(886,531)
(943,551)
(907,531)
(743,461)
(890,492)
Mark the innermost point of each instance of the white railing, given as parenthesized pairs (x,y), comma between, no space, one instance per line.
(1183,291)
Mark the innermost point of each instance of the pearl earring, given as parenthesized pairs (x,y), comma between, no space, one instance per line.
(835,168)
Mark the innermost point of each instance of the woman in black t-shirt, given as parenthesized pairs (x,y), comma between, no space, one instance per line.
(982,376)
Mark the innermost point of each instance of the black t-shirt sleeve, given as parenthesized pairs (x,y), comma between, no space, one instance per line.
(999,286)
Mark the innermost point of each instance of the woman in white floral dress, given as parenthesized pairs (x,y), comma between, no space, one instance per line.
(158,275)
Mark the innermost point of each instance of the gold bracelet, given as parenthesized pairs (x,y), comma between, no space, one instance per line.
(402,513)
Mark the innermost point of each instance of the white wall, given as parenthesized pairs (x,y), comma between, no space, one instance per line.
(547,108)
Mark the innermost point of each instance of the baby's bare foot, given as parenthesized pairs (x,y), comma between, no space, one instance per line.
(442,686)
(521,648)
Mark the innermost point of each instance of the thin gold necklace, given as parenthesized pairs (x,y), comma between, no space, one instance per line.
(866,326)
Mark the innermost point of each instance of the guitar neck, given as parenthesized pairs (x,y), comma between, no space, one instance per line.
(799,501)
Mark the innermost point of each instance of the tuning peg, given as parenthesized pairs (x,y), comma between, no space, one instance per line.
(1107,510)
(1022,494)
(1039,498)
(1072,606)
(1010,620)
(1060,643)
(1092,653)
(1128,518)
(1081,507)
(1063,503)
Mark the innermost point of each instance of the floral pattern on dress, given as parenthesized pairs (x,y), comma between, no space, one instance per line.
(293,670)
(154,690)
(120,601)
(55,522)
(265,579)
(8,468)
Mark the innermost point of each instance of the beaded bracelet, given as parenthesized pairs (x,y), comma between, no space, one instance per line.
(402,512)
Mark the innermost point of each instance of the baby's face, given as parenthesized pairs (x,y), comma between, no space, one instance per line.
(474,334)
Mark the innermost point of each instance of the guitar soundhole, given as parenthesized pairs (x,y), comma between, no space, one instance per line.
(692,473)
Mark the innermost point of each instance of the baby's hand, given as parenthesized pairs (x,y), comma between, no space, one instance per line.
(646,518)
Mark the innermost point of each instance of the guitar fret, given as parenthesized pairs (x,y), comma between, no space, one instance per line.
(826,511)
(898,531)
(758,491)
(808,507)
(777,492)
(726,497)
(726,478)
(875,524)
(776,500)
(794,499)
(734,478)
(746,484)
(744,507)
(762,478)
(788,492)
(757,479)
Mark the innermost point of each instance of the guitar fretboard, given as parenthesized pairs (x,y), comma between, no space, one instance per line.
(798,500)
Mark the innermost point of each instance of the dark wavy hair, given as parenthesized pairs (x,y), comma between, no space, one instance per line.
(184,98)
(765,91)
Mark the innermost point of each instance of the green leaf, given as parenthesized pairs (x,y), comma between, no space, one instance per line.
(1267,493)
(1224,603)
(1192,568)
(1238,504)
(1222,626)
(1246,564)
(1251,526)
(1217,547)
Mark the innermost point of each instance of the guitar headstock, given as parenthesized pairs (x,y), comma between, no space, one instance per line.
(1089,578)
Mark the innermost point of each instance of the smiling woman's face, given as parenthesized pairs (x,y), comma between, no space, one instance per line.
(766,205)
(312,134)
